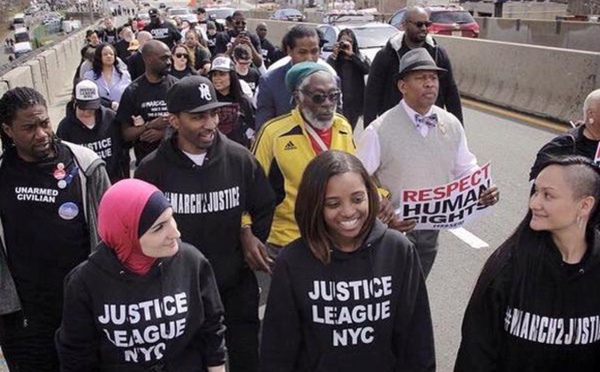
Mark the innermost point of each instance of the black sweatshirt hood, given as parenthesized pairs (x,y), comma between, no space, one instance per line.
(374,236)
(106,260)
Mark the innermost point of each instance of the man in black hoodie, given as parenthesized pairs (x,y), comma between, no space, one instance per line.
(211,182)
(381,93)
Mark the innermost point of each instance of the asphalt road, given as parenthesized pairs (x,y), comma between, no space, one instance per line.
(511,147)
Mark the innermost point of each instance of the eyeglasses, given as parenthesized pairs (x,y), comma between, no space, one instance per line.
(181,55)
(420,24)
(319,98)
(240,23)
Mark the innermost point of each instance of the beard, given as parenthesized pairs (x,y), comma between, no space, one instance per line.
(312,119)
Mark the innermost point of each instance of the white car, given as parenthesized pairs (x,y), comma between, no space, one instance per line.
(183,13)
(371,37)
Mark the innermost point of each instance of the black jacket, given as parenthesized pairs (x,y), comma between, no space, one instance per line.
(352,77)
(209,200)
(381,93)
(105,139)
(170,319)
(535,313)
(310,330)
(571,143)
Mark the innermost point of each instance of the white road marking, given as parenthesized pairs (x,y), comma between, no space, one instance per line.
(469,238)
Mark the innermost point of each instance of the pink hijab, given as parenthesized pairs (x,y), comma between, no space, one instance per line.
(118,222)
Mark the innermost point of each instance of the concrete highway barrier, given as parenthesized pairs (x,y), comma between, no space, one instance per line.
(542,81)
(48,70)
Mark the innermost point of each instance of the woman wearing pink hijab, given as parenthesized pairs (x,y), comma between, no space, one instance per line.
(144,300)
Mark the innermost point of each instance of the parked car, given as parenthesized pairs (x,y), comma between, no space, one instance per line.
(17,21)
(445,20)
(288,15)
(22,42)
(183,13)
(336,16)
(219,14)
(371,37)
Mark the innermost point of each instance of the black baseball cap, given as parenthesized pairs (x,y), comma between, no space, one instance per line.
(193,94)
(153,12)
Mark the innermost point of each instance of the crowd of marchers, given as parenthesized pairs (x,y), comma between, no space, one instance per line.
(231,158)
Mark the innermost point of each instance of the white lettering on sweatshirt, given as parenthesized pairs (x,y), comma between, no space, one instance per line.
(329,308)
(552,331)
(163,319)
(36,194)
(207,202)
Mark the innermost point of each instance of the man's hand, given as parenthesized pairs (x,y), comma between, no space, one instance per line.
(386,211)
(160,122)
(403,226)
(490,196)
(388,216)
(138,121)
(152,135)
(255,253)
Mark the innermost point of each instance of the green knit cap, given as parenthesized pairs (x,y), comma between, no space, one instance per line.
(301,71)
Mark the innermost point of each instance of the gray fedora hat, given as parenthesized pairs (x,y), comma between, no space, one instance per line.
(415,60)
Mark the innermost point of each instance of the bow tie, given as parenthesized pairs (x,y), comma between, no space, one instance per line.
(430,121)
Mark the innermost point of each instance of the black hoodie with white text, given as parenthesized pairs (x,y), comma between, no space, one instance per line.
(364,311)
(536,313)
(170,319)
(208,200)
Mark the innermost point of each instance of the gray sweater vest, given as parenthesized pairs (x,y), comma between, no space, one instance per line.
(409,160)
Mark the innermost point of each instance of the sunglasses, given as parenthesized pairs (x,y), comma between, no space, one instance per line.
(319,98)
(181,55)
(421,24)
(240,23)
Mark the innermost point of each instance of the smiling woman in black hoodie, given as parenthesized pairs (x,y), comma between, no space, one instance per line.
(143,301)
(348,295)
(536,305)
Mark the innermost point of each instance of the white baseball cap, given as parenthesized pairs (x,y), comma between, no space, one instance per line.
(87,96)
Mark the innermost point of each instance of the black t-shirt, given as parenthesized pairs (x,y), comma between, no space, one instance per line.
(104,139)
(107,36)
(183,73)
(45,230)
(211,42)
(148,101)
(135,65)
(165,32)
(269,52)
(121,46)
(251,78)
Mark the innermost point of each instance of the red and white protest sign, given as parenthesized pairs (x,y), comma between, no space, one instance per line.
(447,206)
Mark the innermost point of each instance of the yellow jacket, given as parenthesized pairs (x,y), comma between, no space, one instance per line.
(284,150)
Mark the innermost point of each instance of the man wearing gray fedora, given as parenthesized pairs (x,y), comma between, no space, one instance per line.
(416,144)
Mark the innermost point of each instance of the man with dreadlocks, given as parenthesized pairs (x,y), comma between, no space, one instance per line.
(49,193)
